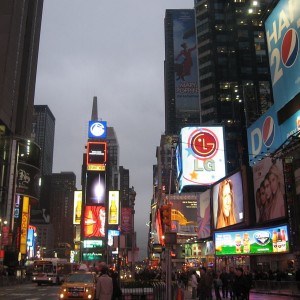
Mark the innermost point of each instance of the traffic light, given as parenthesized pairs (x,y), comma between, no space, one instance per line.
(166,214)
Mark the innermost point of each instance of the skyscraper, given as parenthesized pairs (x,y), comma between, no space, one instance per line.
(43,129)
(19,40)
(234,78)
(181,81)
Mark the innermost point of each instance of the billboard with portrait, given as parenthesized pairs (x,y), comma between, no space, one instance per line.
(95,188)
(228,201)
(253,241)
(268,180)
(204,215)
(94,221)
(201,155)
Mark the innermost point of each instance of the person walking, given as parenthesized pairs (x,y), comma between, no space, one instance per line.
(204,285)
(224,276)
(194,284)
(104,287)
(240,285)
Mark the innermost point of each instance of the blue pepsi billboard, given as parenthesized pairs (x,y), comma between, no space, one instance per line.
(282,33)
(264,136)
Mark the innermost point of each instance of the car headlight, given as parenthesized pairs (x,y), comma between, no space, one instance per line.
(87,290)
(61,296)
(65,289)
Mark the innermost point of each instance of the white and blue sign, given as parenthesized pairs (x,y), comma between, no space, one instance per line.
(283,34)
(264,136)
(97,129)
(291,126)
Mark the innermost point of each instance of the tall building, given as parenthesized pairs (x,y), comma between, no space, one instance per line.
(19,40)
(43,130)
(234,77)
(61,187)
(181,81)
(113,158)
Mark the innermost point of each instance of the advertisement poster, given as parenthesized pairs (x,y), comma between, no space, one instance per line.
(204,215)
(184,213)
(77,207)
(185,60)
(228,201)
(282,33)
(265,240)
(95,187)
(94,221)
(269,190)
(201,156)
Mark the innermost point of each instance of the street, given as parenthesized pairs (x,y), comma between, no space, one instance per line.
(30,291)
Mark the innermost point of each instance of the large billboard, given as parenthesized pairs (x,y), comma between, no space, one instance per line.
(204,215)
(264,136)
(282,33)
(97,129)
(202,156)
(77,207)
(96,156)
(253,241)
(185,60)
(184,213)
(269,190)
(95,188)
(94,221)
(228,201)
(113,208)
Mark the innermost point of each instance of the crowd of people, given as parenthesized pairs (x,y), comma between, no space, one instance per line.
(234,285)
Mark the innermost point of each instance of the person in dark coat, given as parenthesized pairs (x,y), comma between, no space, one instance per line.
(240,285)
(117,292)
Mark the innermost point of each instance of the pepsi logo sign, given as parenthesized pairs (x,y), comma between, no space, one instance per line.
(268,131)
(289,48)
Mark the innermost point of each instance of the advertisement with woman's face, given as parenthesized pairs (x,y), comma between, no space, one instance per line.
(228,201)
(268,181)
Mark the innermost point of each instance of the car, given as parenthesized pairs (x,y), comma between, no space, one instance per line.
(79,285)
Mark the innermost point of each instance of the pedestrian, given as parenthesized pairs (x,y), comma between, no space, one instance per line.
(204,285)
(224,276)
(217,286)
(117,292)
(231,277)
(240,285)
(194,284)
(104,287)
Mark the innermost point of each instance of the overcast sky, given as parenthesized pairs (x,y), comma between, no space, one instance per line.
(113,50)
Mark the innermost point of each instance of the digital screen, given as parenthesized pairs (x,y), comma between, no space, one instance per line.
(77,207)
(201,156)
(92,243)
(228,201)
(94,221)
(96,153)
(264,240)
(204,215)
(113,208)
(95,187)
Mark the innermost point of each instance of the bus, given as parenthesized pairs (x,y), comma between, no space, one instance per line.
(51,270)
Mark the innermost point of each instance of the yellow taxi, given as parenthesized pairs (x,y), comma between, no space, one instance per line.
(79,285)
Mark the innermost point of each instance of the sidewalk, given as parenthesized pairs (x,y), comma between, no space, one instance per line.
(188,293)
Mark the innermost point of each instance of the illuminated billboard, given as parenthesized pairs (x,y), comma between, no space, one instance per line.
(24,225)
(96,156)
(202,156)
(77,207)
(94,221)
(258,241)
(204,215)
(95,188)
(228,201)
(110,236)
(126,220)
(184,213)
(97,129)
(268,180)
(93,244)
(282,33)
(113,208)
